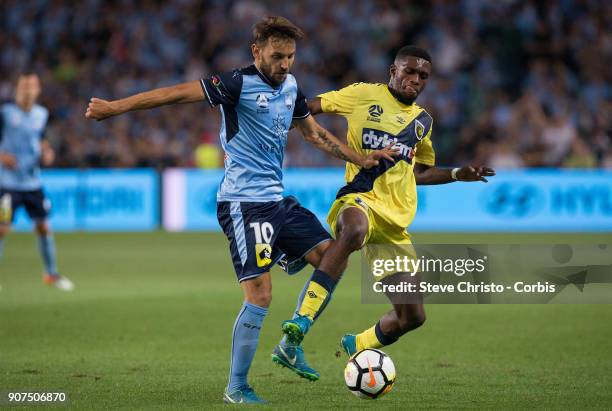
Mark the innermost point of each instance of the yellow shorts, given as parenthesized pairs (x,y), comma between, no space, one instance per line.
(384,241)
(380,231)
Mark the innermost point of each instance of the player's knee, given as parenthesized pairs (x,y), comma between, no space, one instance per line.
(259,295)
(42,229)
(263,298)
(352,236)
(4,230)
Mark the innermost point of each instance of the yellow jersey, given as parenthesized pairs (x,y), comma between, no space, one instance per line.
(376,119)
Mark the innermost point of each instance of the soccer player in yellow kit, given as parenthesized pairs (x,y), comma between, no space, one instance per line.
(377,205)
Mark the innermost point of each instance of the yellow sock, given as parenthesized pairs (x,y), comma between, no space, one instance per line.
(368,339)
(313,300)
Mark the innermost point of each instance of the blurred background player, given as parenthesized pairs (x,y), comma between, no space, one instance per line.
(22,148)
(259,103)
(377,205)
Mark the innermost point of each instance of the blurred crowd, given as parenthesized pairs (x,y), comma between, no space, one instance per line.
(515,83)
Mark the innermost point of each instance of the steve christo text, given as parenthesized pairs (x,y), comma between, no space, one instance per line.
(463,287)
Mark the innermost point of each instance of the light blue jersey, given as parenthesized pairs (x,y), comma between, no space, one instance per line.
(256,117)
(20,135)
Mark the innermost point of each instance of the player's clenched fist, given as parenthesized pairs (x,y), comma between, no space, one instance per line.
(99,109)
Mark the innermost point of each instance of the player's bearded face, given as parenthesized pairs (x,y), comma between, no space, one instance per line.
(409,77)
(27,90)
(275,58)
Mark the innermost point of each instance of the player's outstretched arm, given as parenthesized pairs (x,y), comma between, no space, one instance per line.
(326,141)
(429,175)
(190,92)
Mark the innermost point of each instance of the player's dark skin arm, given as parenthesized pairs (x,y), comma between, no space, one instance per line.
(314,105)
(429,175)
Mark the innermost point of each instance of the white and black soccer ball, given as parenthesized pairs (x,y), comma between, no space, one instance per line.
(370,374)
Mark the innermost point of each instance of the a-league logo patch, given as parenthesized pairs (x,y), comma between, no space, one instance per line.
(216,81)
(263,253)
(375,110)
(419,129)
(261,101)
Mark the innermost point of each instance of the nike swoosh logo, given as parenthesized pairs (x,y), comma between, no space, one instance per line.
(232,401)
(372,382)
(290,359)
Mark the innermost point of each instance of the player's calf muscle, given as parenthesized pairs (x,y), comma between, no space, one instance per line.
(402,319)
(315,257)
(410,319)
(335,260)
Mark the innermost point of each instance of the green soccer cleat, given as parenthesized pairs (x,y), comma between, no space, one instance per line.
(349,344)
(292,357)
(296,329)
(242,396)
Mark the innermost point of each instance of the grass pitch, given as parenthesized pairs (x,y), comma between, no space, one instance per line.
(149,326)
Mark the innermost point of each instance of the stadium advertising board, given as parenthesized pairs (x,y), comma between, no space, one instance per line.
(100,200)
(517,200)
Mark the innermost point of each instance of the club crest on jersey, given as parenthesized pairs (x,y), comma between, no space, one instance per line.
(375,112)
(278,127)
(419,129)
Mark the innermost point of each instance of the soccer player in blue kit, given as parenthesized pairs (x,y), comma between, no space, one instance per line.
(22,148)
(258,105)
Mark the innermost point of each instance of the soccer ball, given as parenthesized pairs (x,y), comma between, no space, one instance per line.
(370,374)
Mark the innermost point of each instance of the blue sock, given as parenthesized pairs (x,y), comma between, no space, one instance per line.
(1,247)
(244,343)
(46,245)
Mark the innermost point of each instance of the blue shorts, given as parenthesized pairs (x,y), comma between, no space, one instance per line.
(261,234)
(34,202)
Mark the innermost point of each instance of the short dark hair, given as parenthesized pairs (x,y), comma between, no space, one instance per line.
(275,26)
(414,51)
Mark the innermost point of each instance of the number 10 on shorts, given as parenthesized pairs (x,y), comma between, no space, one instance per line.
(263,236)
